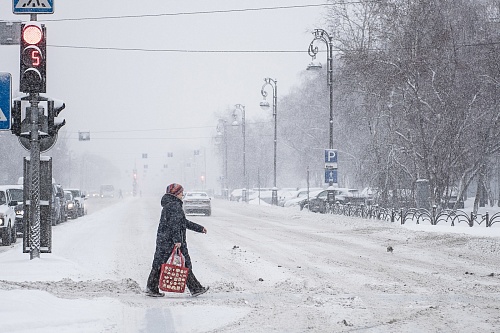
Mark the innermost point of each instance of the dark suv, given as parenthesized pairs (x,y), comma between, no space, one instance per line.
(317,202)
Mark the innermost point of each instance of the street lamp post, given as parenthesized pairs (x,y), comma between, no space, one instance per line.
(265,106)
(235,123)
(322,35)
(221,132)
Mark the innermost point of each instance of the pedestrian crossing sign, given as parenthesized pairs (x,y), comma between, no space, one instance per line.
(33,6)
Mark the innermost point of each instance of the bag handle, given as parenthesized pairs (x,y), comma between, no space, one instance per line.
(179,253)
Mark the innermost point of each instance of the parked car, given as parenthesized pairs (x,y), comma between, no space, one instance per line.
(62,199)
(7,217)
(318,199)
(316,203)
(16,194)
(300,196)
(236,194)
(262,196)
(71,206)
(285,195)
(79,198)
(197,202)
(55,206)
(349,195)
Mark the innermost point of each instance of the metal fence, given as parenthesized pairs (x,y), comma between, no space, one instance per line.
(449,217)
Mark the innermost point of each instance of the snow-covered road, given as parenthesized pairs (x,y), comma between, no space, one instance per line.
(269,269)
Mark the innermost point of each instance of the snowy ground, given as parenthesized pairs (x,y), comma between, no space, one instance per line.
(270,269)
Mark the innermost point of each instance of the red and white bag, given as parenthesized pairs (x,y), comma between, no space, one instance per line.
(174,273)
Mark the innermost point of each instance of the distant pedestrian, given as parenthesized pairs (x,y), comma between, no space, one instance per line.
(172,234)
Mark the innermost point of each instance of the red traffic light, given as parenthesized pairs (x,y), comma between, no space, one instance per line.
(32,34)
(33,58)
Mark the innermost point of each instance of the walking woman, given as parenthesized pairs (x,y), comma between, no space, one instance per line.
(172,233)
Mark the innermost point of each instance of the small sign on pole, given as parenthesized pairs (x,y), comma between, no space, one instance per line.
(331,176)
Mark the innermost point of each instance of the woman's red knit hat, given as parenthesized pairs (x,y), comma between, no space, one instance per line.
(174,189)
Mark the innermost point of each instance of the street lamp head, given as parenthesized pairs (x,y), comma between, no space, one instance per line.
(264,105)
(219,136)
(314,65)
(235,121)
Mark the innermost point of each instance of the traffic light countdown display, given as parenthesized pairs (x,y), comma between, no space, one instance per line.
(33,58)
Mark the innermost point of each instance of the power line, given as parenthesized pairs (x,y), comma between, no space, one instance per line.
(174,50)
(221,11)
(170,138)
(480,44)
(154,129)
(166,129)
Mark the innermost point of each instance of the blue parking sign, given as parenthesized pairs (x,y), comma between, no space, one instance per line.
(5,100)
(331,156)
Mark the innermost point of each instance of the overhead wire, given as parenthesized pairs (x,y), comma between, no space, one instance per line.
(479,44)
(168,129)
(155,129)
(217,11)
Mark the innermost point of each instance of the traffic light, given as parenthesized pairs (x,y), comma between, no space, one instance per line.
(54,108)
(33,58)
(16,118)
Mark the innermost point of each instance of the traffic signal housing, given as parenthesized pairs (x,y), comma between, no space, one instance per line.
(33,58)
(54,107)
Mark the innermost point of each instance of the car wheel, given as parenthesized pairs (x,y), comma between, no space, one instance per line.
(6,236)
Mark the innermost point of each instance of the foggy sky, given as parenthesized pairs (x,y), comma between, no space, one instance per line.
(136,102)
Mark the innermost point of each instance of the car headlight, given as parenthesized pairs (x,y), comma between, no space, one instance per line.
(1,220)
(70,205)
(19,212)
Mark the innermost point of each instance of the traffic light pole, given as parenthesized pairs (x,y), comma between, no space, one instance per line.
(37,132)
(35,178)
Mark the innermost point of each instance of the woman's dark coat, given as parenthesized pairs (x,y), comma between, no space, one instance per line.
(172,229)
